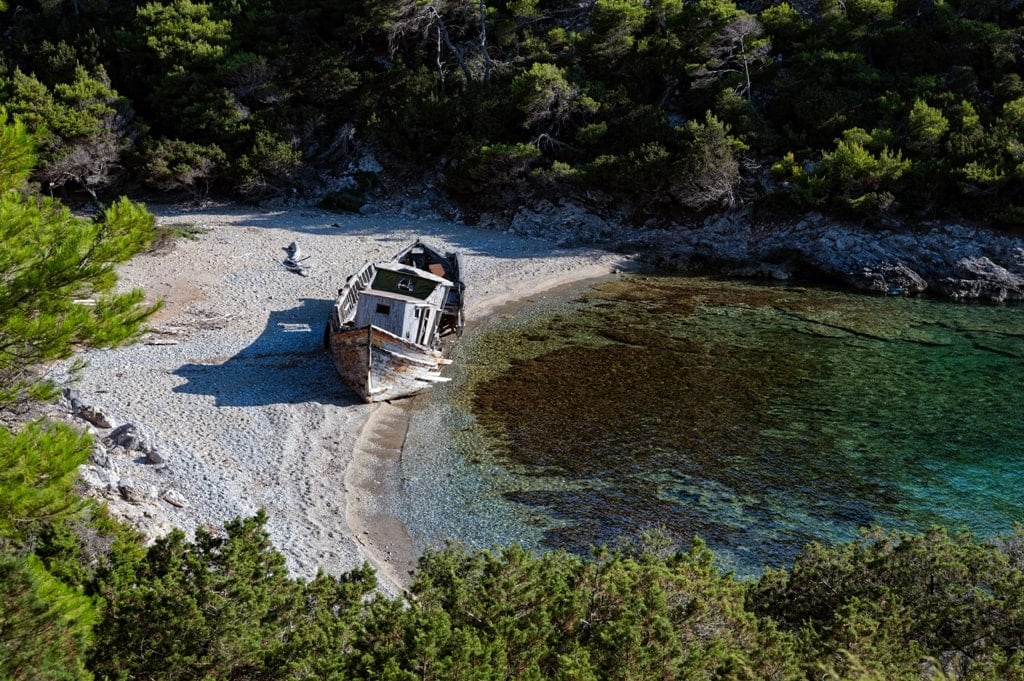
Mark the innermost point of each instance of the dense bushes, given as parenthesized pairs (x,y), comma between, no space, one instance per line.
(891,598)
(257,97)
(223,607)
(889,606)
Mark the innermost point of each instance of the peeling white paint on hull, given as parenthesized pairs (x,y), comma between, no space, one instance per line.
(380,366)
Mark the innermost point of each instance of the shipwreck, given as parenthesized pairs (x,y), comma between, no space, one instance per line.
(385,329)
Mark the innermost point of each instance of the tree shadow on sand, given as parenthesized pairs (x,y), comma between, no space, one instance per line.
(285,364)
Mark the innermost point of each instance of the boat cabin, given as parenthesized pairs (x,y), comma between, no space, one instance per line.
(404,301)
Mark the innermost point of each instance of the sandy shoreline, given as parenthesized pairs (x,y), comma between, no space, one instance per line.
(235,392)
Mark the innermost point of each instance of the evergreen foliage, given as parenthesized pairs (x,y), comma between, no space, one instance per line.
(45,626)
(49,261)
(257,98)
(38,472)
(58,286)
(891,599)
(890,606)
(222,607)
(83,128)
(617,616)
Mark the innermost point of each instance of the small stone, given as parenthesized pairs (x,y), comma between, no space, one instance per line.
(100,455)
(74,398)
(130,492)
(97,477)
(95,417)
(121,434)
(174,498)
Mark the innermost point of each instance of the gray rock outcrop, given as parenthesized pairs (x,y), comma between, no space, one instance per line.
(128,436)
(131,438)
(952,260)
(87,412)
(978,278)
(134,492)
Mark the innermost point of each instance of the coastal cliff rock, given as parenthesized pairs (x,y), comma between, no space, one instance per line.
(951,260)
(955,261)
(980,278)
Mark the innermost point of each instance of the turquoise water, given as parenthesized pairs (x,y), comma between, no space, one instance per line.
(758,417)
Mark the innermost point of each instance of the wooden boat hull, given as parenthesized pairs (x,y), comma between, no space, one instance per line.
(379,366)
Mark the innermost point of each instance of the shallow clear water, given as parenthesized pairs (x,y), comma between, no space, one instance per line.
(758,417)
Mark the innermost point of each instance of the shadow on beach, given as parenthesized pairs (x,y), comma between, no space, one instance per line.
(285,364)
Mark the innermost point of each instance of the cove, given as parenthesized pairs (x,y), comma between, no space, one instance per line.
(759,417)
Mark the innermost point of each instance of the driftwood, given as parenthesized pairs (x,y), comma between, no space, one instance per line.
(293,261)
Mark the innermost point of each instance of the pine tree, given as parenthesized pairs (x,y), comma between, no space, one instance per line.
(44,625)
(50,263)
(57,288)
(38,471)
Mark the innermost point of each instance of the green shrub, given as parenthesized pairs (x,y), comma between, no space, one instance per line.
(893,598)
(928,127)
(45,626)
(269,168)
(710,168)
(488,174)
(175,165)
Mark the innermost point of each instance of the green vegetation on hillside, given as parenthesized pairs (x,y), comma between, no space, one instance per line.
(866,108)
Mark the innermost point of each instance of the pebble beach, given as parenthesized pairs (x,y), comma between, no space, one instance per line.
(232,389)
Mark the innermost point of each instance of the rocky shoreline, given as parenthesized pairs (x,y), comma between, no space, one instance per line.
(949,260)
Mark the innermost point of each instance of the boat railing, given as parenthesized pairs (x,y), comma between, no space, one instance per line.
(349,295)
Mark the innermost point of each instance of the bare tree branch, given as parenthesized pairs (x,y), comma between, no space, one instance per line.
(442,31)
(483,41)
(455,27)
(734,49)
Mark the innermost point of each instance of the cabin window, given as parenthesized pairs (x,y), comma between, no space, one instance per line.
(383,309)
(405,285)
